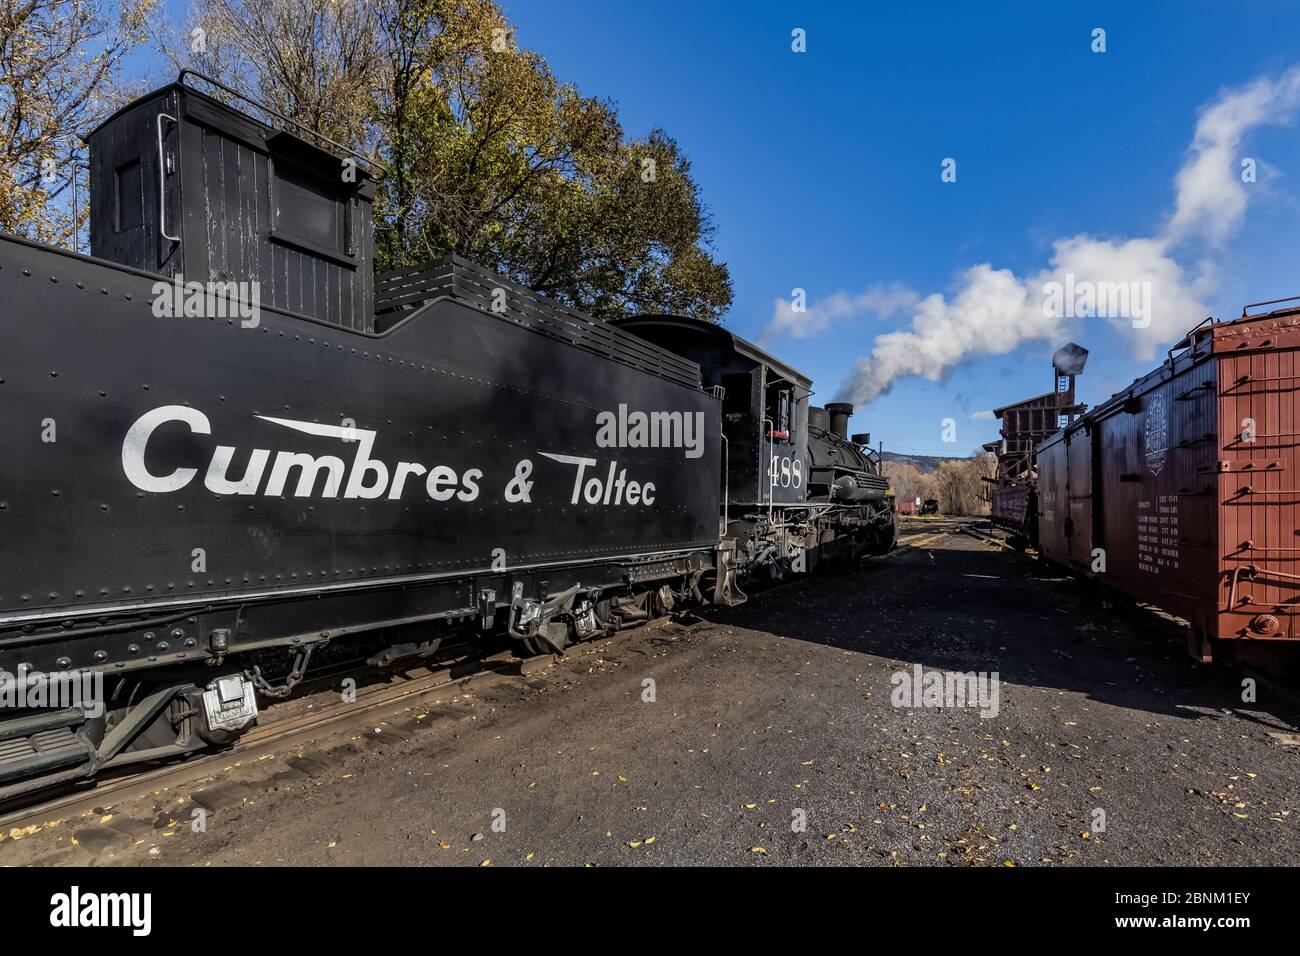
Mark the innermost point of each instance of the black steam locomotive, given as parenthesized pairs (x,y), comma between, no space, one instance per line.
(227,438)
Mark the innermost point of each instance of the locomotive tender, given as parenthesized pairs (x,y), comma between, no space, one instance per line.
(229,439)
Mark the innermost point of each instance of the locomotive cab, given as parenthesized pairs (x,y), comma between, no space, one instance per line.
(764,407)
(797,489)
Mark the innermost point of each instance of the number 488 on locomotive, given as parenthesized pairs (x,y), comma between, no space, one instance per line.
(228,438)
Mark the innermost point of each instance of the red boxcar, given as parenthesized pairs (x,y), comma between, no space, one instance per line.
(1008,504)
(1182,490)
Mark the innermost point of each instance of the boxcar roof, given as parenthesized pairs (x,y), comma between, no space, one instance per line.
(1201,344)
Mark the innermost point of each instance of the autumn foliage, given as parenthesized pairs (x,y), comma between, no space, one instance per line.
(60,66)
(488,154)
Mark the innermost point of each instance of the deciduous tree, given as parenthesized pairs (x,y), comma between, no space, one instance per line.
(960,487)
(489,154)
(59,62)
(315,61)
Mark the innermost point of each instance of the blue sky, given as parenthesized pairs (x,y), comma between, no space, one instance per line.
(822,172)
(822,169)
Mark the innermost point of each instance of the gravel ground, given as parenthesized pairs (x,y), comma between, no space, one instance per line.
(772,739)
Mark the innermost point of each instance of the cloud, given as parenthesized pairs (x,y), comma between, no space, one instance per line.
(984,416)
(1174,299)
(879,301)
(993,311)
(1211,196)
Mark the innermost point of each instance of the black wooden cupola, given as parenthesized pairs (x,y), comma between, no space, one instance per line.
(182,183)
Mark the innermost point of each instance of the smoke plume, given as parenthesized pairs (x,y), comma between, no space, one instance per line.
(993,311)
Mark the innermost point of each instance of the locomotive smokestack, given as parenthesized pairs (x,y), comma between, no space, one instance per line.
(840,412)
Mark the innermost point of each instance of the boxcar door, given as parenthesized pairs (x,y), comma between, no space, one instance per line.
(1079,490)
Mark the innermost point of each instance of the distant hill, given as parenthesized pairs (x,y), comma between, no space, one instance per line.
(922,463)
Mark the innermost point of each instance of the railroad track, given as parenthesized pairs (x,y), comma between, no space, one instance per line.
(938,528)
(987,538)
(276,736)
(931,531)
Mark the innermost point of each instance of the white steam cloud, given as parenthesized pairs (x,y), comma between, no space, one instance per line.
(879,301)
(993,311)
(1211,196)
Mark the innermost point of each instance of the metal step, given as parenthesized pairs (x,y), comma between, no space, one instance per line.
(43,742)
